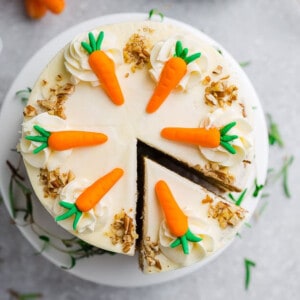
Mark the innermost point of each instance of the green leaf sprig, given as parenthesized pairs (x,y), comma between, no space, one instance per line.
(240,199)
(283,172)
(244,64)
(28,296)
(274,134)
(24,95)
(248,265)
(155,12)
(21,203)
(257,188)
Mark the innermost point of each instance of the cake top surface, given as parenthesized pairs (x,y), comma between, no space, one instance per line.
(202,91)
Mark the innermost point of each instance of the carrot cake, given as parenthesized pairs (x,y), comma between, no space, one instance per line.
(121,128)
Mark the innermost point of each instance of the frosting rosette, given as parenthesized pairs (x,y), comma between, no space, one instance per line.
(197,251)
(88,221)
(76,57)
(46,157)
(242,144)
(164,50)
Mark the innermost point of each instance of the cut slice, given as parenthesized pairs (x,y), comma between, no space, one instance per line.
(210,217)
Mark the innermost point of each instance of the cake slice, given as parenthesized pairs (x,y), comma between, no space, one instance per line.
(212,222)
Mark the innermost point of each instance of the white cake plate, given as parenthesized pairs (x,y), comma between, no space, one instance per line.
(113,270)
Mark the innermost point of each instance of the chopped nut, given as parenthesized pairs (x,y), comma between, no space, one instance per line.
(54,181)
(226,214)
(122,231)
(150,250)
(242,105)
(218,70)
(59,77)
(29,111)
(54,105)
(44,82)
(219,93)
(206,80)
(148,29)
(207,199)
(137,51)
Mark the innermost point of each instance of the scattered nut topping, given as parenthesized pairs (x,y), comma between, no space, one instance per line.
(213,169)
(220,93)
(226,214)
(148,29)
(246,161)
(54,105)
(126,75)
(243,110)
(206,80)
(54,181)
(137,51)
(123,231)
(44,82)
(29,111)
(218,70)
(150,250)
(207,199)
(59,77)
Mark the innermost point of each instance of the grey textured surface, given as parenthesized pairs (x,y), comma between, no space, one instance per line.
(265,32)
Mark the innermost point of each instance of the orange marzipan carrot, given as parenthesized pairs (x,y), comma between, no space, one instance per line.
(175,218)
(174,70)
(63,140)
(104,68)
(35,9)
(94,193)
(55,6)
(203,137)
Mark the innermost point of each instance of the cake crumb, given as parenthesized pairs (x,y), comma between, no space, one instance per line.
(123,231)
(53,181)
(137,51)
(207,199)
(126,75)
(29,111)
(150,250)
(226,214)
